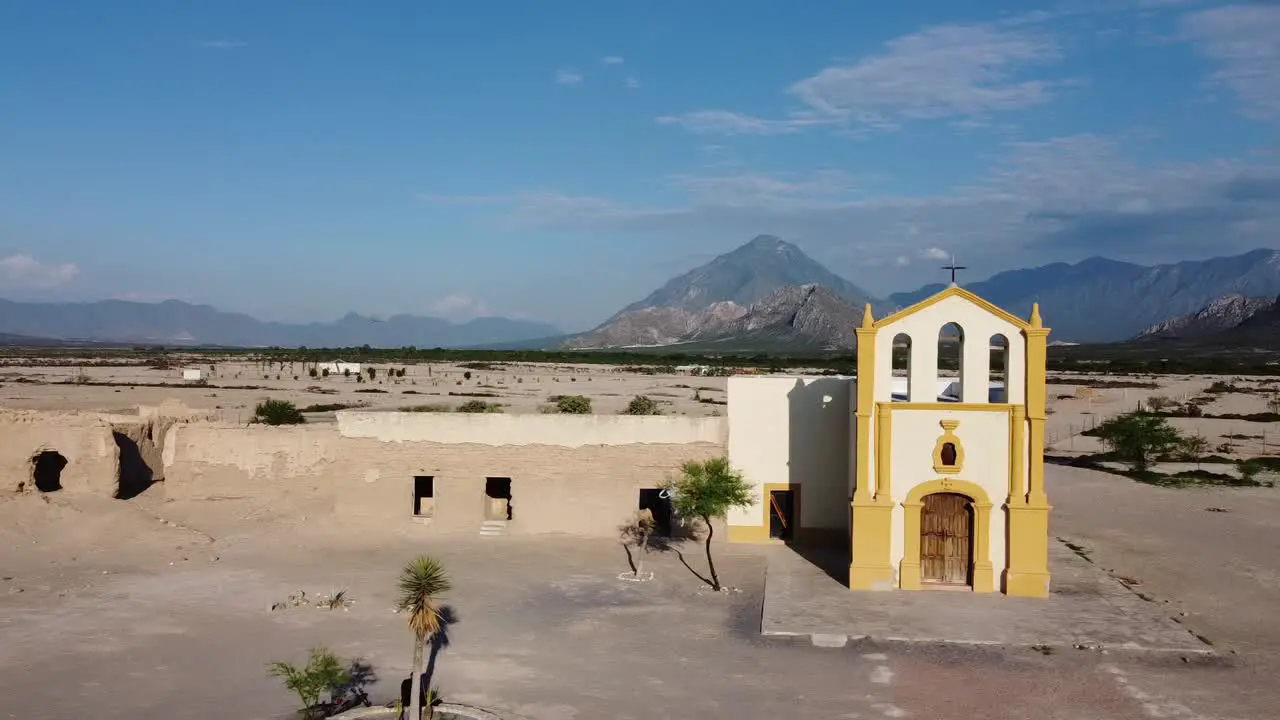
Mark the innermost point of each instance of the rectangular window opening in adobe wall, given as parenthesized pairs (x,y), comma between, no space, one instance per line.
(497,498)
(424,502)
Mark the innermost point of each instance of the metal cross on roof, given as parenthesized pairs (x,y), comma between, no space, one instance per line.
(953,267)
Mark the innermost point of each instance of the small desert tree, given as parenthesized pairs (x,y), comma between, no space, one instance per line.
(422,582)
(636,531)
(1249,470)
(277,412)
(574,404)
(1192,448)
(1136,438)
(1159,403)
(373,373)
(708,490)
(642,405)
(322,673)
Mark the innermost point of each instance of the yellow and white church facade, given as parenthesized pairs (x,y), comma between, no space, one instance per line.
(932,478)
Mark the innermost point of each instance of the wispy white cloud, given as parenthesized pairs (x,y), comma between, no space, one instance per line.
(1244,41)
(1064,198)
(612,60)
(568,77)
(223,44)
(726,122)
(24,271)
(949,71)
(459,307)
(631,83)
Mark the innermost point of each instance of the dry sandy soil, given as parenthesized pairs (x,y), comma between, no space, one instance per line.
(154,609)
(150,608)
(520,388)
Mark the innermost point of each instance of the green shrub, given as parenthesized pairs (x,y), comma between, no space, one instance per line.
(642,405)
(1137,438)
(277,412)
(322,674)
(574,405)
(479,406)
(437,407)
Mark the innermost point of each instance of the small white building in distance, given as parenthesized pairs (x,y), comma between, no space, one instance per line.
(340,367)
(931,477)
(191,374)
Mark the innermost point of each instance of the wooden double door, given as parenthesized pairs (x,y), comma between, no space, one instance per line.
(946,540)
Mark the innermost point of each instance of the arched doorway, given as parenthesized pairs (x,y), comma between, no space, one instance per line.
(46,470)
(946,540)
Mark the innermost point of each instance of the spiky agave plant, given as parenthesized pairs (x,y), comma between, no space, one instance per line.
(422,582)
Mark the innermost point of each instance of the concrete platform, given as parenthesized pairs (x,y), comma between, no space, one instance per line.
(1086,607)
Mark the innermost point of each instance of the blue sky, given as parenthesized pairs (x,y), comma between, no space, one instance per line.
(557,160)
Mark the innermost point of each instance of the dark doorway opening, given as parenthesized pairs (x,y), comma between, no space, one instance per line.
(652,500)
(782,508)
(46,470)
(497,498)
(424,495)
(135,474)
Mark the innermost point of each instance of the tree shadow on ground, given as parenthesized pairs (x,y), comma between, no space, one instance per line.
(362,673)
(664,544)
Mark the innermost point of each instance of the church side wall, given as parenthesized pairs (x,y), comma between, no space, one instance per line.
(788,432)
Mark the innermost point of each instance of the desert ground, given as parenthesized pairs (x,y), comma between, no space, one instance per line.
(233,388)
(154,608)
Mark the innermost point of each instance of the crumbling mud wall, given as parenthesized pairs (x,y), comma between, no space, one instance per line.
(84,442)
(582,481)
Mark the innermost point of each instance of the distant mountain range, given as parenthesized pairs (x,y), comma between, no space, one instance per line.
(1100,300)
(1232,322)
(766,292)
(743,297)
(1220,315)
(178,323)
(766,295)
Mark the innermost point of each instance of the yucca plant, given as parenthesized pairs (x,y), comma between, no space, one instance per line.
(422,582)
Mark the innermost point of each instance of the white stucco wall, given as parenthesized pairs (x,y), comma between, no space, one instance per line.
(560,430)
(793,430)
(985,439)
(924,327)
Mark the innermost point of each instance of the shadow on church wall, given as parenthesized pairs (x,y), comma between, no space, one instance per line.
(818,445)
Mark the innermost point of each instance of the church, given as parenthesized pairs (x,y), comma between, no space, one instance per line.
(928,466)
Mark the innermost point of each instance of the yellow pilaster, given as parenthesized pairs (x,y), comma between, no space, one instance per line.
(1028,571)
(984,576)
(1017,445)
(865,405)
(869,568)
(909,568)
(884,451)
